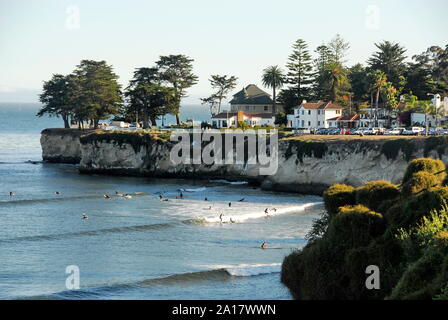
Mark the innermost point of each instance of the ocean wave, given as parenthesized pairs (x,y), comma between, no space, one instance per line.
(230,182)
(193,189)
(217,273)
(261,214)
(62,198)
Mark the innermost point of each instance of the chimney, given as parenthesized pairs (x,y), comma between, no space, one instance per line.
(239,116)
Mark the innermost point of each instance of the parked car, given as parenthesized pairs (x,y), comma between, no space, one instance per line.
(394,131)
(413,131)
(322,131)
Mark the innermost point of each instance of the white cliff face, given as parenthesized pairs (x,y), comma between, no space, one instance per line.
(106,155)
(301,168)
(61,148)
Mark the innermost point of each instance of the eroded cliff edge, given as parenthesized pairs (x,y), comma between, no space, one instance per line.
(305,166)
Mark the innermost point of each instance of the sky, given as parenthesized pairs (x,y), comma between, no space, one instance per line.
(39,38)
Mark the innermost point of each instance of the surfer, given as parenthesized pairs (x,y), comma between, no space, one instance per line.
(11,193)
(85,217)
(205,199)
(232,221)
(220,216)
(264,245)
(57,192)
(266,212)
(241,200)
(160,197)
(230,204)
(106,196)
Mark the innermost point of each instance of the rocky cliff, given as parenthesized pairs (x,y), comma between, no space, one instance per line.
(304,166)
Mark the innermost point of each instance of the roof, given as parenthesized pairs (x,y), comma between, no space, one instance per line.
(319,105)
(224,115)
(251,95)
(345,118)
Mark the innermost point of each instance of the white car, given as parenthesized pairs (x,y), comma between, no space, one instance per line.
(394,131)
(413,131)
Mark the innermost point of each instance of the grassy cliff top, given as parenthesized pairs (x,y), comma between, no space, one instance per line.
(66,132)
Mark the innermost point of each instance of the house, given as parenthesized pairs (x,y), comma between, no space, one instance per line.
(347,121)
(314,115)
(231,119)
(252,99)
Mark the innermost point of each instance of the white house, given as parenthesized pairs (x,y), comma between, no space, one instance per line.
(313,115)
(231,119)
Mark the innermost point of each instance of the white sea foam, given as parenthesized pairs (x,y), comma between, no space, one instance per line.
(259,213)
(248,270)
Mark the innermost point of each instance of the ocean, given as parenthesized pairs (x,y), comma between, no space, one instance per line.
(138,247)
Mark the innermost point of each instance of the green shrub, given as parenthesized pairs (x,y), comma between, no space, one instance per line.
(425,278)
(373,194)
(338,195)
(355,226)
(416,207)
(419,182)
(425,164)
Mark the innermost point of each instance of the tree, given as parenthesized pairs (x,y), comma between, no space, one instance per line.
(389,59)
(100,93)
(358,77)
(212,101)
(390,98)
(177,70)
(300,69)
(338,82)
(146,96)
(288,98)
(58,98)
(338,48)
(273,78)
(427,108)
(378,80)
(223,85)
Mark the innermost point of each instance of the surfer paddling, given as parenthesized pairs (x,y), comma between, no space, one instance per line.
(264,245)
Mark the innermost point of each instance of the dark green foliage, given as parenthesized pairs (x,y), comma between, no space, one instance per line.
(409,243)
(419,182)
(391,148)
(414,208)
(356,226)
(425,164)
(136,139)
(338,195)
(425,278)
(374,194)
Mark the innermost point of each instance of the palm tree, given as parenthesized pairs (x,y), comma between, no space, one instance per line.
(427,108)
(378,81)
(274,78)
(337,77)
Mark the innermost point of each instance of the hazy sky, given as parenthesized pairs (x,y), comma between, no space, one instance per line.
(42,37)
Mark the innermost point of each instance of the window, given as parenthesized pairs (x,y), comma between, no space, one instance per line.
(318,111)
(303,123)
(224,123)
(338,111)
(318,123)
(303,112)
(309,123)
(265,108)
(309,111)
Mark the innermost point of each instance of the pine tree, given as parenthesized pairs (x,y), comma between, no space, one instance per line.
(300,69)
